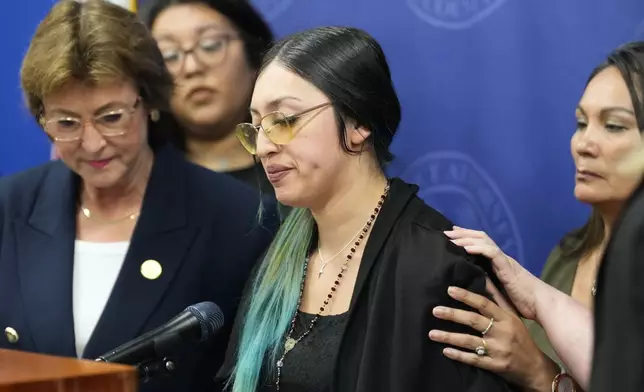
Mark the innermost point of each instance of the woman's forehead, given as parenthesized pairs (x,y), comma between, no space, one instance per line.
(277,84)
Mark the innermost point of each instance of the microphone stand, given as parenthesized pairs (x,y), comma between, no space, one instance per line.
(155,368)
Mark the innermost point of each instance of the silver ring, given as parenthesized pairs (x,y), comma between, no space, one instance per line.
(481,350)
(489,326)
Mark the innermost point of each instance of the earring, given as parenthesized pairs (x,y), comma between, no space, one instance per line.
(154,115)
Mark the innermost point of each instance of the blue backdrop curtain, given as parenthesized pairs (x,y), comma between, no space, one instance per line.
(488,89)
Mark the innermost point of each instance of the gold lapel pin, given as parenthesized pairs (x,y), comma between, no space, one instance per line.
(11,335)
(151,269)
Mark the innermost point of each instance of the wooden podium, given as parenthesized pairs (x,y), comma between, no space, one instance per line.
(29,372)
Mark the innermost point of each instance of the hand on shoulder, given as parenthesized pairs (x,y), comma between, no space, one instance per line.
(502,345)
(518,282)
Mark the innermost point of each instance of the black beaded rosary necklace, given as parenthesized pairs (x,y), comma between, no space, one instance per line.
(290,340)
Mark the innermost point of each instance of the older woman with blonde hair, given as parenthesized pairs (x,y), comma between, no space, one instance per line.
(121,233)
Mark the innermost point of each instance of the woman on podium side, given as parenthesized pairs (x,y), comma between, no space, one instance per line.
(122,233)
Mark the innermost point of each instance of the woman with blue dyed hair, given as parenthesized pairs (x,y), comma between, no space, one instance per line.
(342,300)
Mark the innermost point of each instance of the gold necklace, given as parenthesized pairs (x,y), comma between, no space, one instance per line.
(88,214)
(327,261)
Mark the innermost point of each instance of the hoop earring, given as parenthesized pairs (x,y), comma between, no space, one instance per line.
(154,115)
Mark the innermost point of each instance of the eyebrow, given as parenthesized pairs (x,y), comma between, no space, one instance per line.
(610,109)
(200,30)
(273,104)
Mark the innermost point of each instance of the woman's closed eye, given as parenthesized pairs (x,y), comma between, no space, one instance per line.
(287,121)
(111,118)
(581,125)
(211,44)
(67,123)
(171,55)
(612,127)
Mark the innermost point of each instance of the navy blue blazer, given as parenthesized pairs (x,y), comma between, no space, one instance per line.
(201,226)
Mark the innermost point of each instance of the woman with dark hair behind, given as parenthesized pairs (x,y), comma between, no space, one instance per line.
(341,301)
(122,233)
(610,122)
(213,49)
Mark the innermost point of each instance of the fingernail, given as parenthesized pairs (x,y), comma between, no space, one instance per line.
(435,335)
(449,352)
(439,311)
(454,291)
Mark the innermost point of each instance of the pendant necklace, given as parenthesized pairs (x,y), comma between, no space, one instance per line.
(291,341)
(325,262)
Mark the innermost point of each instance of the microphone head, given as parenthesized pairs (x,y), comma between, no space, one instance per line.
(210,317)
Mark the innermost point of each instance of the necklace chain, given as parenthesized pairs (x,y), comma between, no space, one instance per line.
(326,262)
(291,342)
(88,214)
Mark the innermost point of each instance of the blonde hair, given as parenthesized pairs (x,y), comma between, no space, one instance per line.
(94,42)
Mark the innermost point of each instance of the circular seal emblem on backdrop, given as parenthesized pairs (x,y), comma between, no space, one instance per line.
(271,9)
(453,14)
(454,184)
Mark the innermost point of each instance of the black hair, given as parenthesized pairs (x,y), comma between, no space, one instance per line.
(348,66)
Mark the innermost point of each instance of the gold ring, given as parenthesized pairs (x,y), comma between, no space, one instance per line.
(481,350)
(489,326)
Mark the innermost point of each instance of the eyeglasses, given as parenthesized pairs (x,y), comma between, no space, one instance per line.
(70,129)
(209,50)
(278,128)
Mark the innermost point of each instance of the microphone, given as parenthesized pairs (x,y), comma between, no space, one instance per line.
(197,323)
